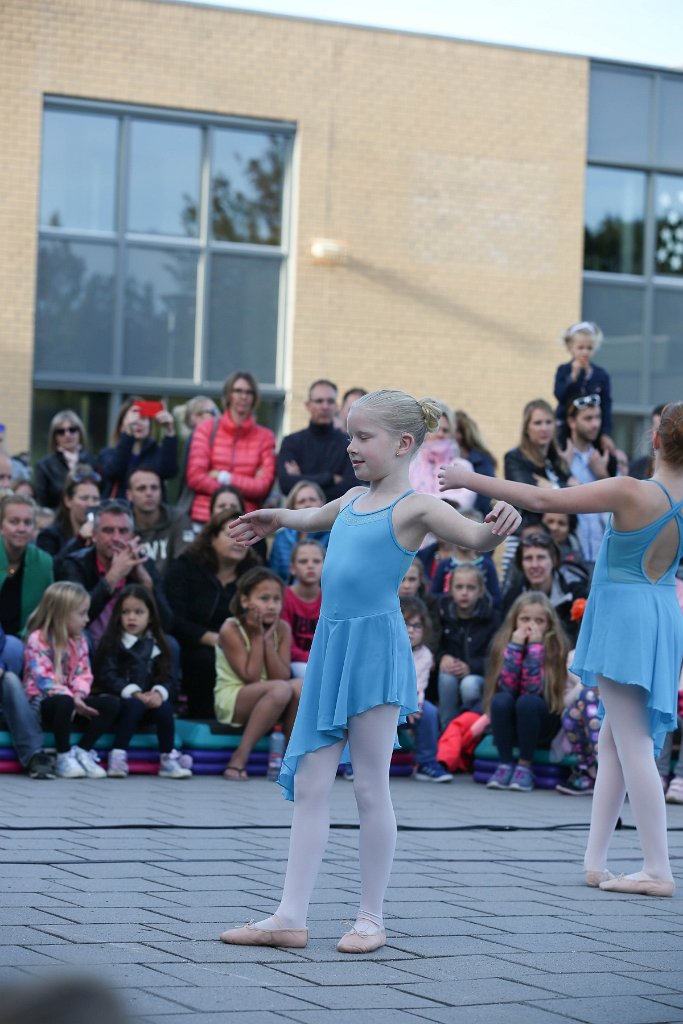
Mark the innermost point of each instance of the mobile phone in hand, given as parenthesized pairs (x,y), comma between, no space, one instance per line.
(148,410)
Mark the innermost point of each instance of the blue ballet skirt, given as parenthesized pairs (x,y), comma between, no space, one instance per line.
(632,628)
(361,655)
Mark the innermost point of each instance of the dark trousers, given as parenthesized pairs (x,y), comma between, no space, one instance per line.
(524,721)
(56,714)
(199,677)
(134,714)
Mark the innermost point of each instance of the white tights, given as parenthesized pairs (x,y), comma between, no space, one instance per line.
(371,741)
(626,764)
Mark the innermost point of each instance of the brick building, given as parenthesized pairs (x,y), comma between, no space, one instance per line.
(166,168)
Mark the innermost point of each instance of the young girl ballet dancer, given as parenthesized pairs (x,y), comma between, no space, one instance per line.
(133,663)
(360,678)
(630,645)
(525,686)
(253,684)
(58,679)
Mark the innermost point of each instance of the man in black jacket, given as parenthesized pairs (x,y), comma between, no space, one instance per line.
(317,453)
(115,559)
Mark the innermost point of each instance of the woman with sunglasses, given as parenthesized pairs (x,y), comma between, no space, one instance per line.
(81,493)
(631,642)
(67,444)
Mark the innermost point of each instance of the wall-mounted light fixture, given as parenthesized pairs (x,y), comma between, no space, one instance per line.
(327,250)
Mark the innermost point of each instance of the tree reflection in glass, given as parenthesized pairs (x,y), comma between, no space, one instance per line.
(246,187)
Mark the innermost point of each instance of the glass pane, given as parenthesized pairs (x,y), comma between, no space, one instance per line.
(159,317)
(619,114)
(164,178)
(74,307)
(619,312)
(247,177)
(92,407)
(243,308)
(78,182)
(667,346)
(670,127)
(615,209)
(669,214)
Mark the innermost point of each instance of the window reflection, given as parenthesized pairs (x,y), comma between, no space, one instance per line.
(164,178)
(79,171)
(615,209)
(619,114)
(619,311)
(670,126)
(667,345)
(246,187)
(669,225)
(160,300)
(243,305)
(74,307)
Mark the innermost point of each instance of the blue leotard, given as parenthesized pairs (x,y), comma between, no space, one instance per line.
(632,628)
(360,656)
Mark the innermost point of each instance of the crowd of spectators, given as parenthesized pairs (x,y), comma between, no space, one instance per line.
(232,626)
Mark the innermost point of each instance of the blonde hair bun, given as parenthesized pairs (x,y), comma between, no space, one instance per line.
(432,412)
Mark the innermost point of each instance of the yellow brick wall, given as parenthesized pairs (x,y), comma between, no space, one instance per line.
(453,172)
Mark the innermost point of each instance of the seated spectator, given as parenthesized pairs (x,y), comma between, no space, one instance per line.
(58,679)
(134,663)
(414,584)
(317,454)
(466,556)
(24,487)
(580,377)
(538,560)
(72,523)
(589,460)
(537,459)
(348,398)
(200,585)
(473,449)
(25,573)
(164,531)
(44,517)
(115,559)
(67,444)
(303,495)
(425,722)
(525,686)
(642,467)
(20,720)
(468,624)
(5,474)
(581,721)
(254,688)
(133,446)
(228,497)
(238,451)
(440,449)
(197,410)
(562,528)
(302,600)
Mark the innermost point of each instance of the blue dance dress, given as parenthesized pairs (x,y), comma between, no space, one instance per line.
(361,655)
(632,628)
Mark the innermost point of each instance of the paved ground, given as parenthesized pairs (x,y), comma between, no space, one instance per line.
(133,880)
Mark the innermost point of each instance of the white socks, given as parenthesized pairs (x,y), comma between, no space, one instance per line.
(626,764)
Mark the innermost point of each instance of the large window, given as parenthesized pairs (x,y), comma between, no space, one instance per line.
(163,250)
(633,256)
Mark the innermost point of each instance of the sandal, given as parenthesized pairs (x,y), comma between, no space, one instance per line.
(234,774)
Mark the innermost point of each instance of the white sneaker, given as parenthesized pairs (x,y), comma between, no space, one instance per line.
(171,768)
(89,762)
(68,767)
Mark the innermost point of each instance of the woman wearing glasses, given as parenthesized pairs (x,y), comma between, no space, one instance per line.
(67,443)
(238,451)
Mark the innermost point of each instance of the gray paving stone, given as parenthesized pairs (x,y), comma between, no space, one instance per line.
(490,1013)
(359,997)
(241,974)
(474,990)
(624,1010)
(379,1016)
(650,983)
(217,998)
(473,965)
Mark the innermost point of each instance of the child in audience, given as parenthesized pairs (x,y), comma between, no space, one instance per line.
(414,584)
(58,679)
(525,687)
(425,721)
(133,662)
(580,377)
(468,623)
(441,580)
(254,687)
(303,495)
(302,600)
(581,720)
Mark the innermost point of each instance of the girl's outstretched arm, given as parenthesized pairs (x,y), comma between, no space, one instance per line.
(253,526)
(602,496)
(422,513)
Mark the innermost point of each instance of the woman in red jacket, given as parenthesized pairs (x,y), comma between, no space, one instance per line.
(238,451)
